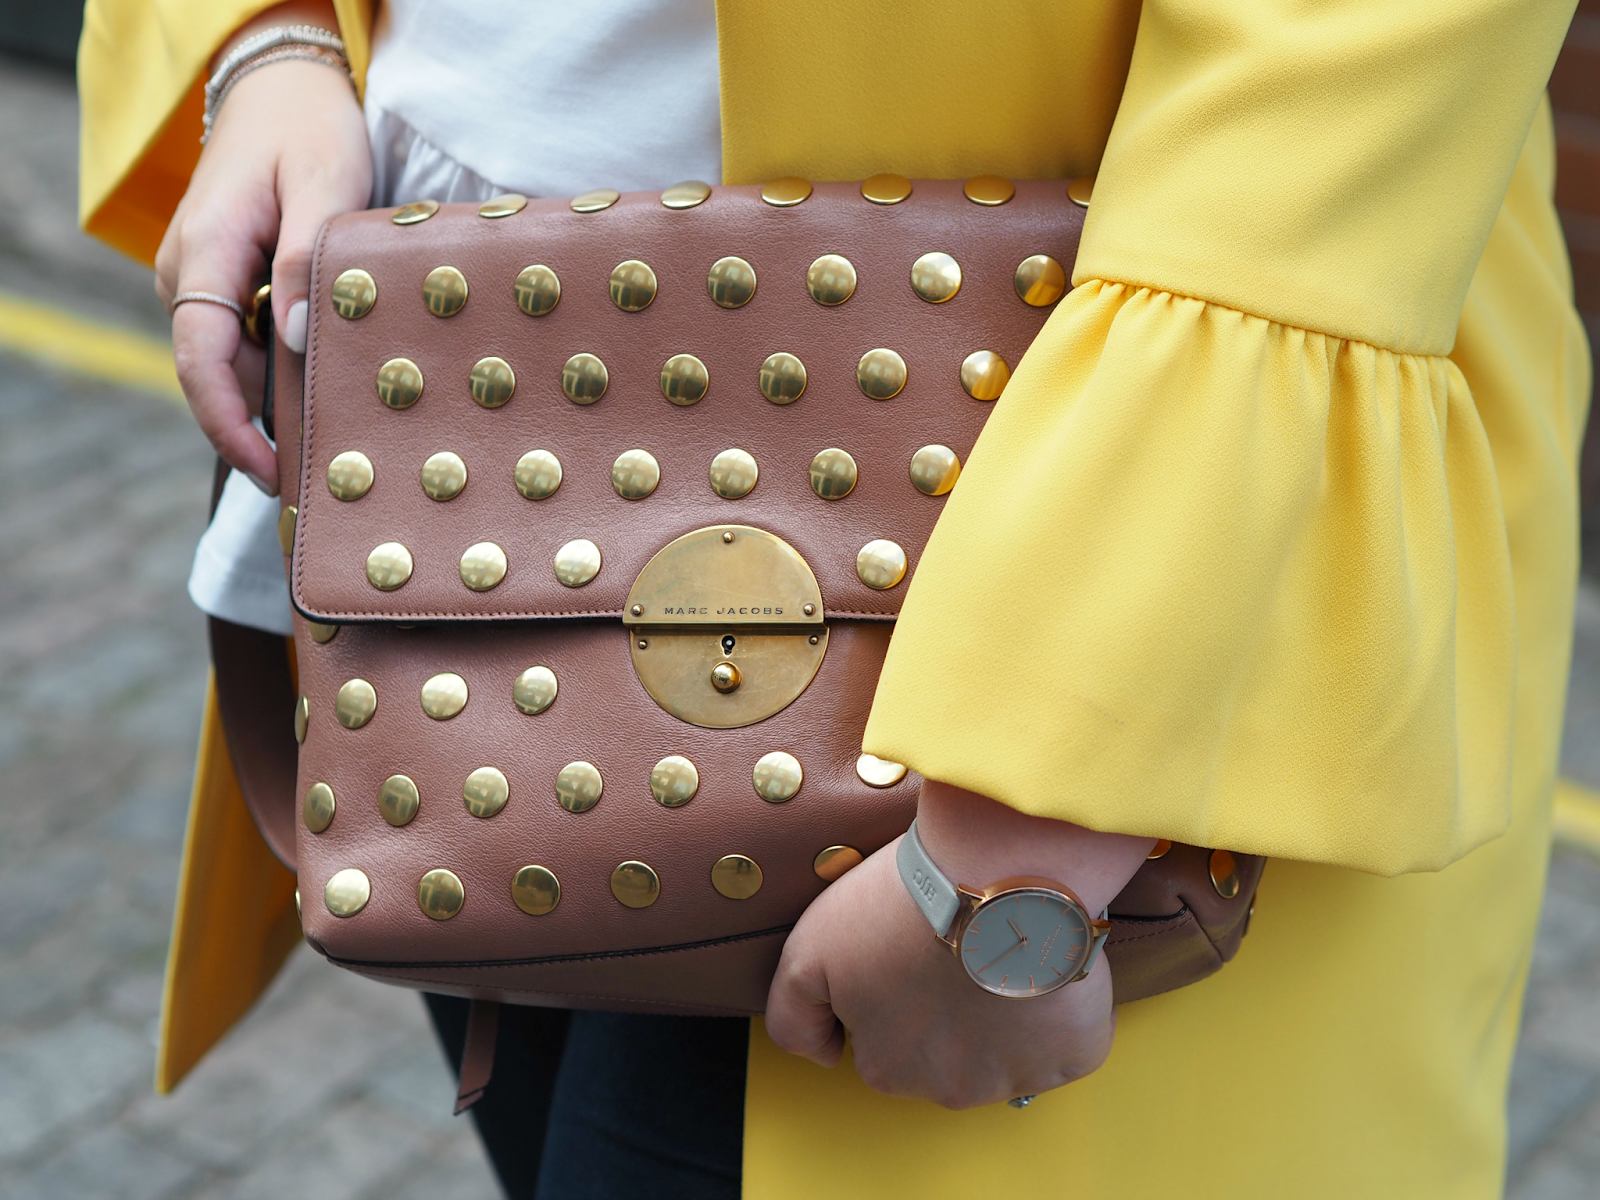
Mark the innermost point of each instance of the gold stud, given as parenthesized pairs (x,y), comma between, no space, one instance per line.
(578,786)
(989,190)
(786,192)
(492,381)
(887,188)
(635,474)
(444,475)
(879,772)
(507,204)
(577,562)
(483,566)
(881,374)
(350,475)
(317,808)
(777,776)
(302,719)
(286,521)
(736,876)
(538,474)
(731,283)
(831,279)
(537,289)
(782,378)
(725,677)
(485,792)
(398,800)
(936,277)
(353,294)
(934,470)
(415,213)
(322,634)
(440,894)
(595,200)
(347,892)
(535,890)
(399,383)
(689,194)
(355,704)
(444,291)
(632,286)
(834,861)
(733,474)
(635,884)
(534,690)
(1160,850)
(1224,872)
(833,474)
(584,379)
(881,564)
(1039,280)
(684,380)
(389,566)
(674,781)
(1080,189)
(444,695)
(984,374)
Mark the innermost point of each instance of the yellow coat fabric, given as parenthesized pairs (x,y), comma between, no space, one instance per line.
(1272,539)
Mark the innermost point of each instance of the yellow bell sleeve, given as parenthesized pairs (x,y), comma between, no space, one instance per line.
(1229,564)
(141,85)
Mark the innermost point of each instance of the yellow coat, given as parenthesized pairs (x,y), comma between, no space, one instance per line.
(1270,544)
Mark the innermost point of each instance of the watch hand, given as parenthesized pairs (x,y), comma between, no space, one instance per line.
(1020,935)
(1015,947)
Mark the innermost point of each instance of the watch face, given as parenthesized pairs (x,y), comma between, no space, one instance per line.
(1026,942)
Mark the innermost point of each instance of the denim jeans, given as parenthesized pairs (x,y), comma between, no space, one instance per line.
(588,1105)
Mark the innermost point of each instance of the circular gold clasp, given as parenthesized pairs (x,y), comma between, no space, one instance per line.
(726,626)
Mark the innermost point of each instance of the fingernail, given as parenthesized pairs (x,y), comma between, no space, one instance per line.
(294,327)
(270,489)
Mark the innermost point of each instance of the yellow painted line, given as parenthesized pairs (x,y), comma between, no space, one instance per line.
(1577,816)
(89,348)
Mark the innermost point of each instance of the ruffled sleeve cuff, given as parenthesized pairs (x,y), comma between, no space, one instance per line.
(1215,578)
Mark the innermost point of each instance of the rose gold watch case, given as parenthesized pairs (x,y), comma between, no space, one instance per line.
(975,900)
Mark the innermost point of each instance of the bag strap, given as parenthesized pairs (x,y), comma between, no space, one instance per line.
(255,700)
(477,1053)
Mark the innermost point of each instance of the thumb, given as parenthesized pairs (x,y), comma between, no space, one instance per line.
(800,1017)
(304,213)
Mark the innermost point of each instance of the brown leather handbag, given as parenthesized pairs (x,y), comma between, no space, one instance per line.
(598,515)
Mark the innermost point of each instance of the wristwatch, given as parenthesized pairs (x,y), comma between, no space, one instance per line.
(1020,937)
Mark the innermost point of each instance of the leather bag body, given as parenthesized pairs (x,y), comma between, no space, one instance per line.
(693,948)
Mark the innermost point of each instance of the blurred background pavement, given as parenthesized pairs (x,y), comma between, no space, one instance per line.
(334,1087)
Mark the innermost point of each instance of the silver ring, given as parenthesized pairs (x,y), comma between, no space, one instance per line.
(208,298)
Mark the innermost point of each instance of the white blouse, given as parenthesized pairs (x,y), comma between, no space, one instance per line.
(467,98)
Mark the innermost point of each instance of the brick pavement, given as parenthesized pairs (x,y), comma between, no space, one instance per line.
(333,1086)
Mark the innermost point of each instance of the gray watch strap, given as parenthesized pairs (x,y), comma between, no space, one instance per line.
(935,895)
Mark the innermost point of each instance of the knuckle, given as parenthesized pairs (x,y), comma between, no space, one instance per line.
(191,371)
(875,1073)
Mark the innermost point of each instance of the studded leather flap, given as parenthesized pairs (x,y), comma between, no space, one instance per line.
(409,504)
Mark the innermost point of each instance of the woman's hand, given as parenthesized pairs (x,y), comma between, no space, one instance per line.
(288,151)
(864,959)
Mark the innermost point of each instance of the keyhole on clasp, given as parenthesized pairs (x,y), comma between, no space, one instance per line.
(727,644)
